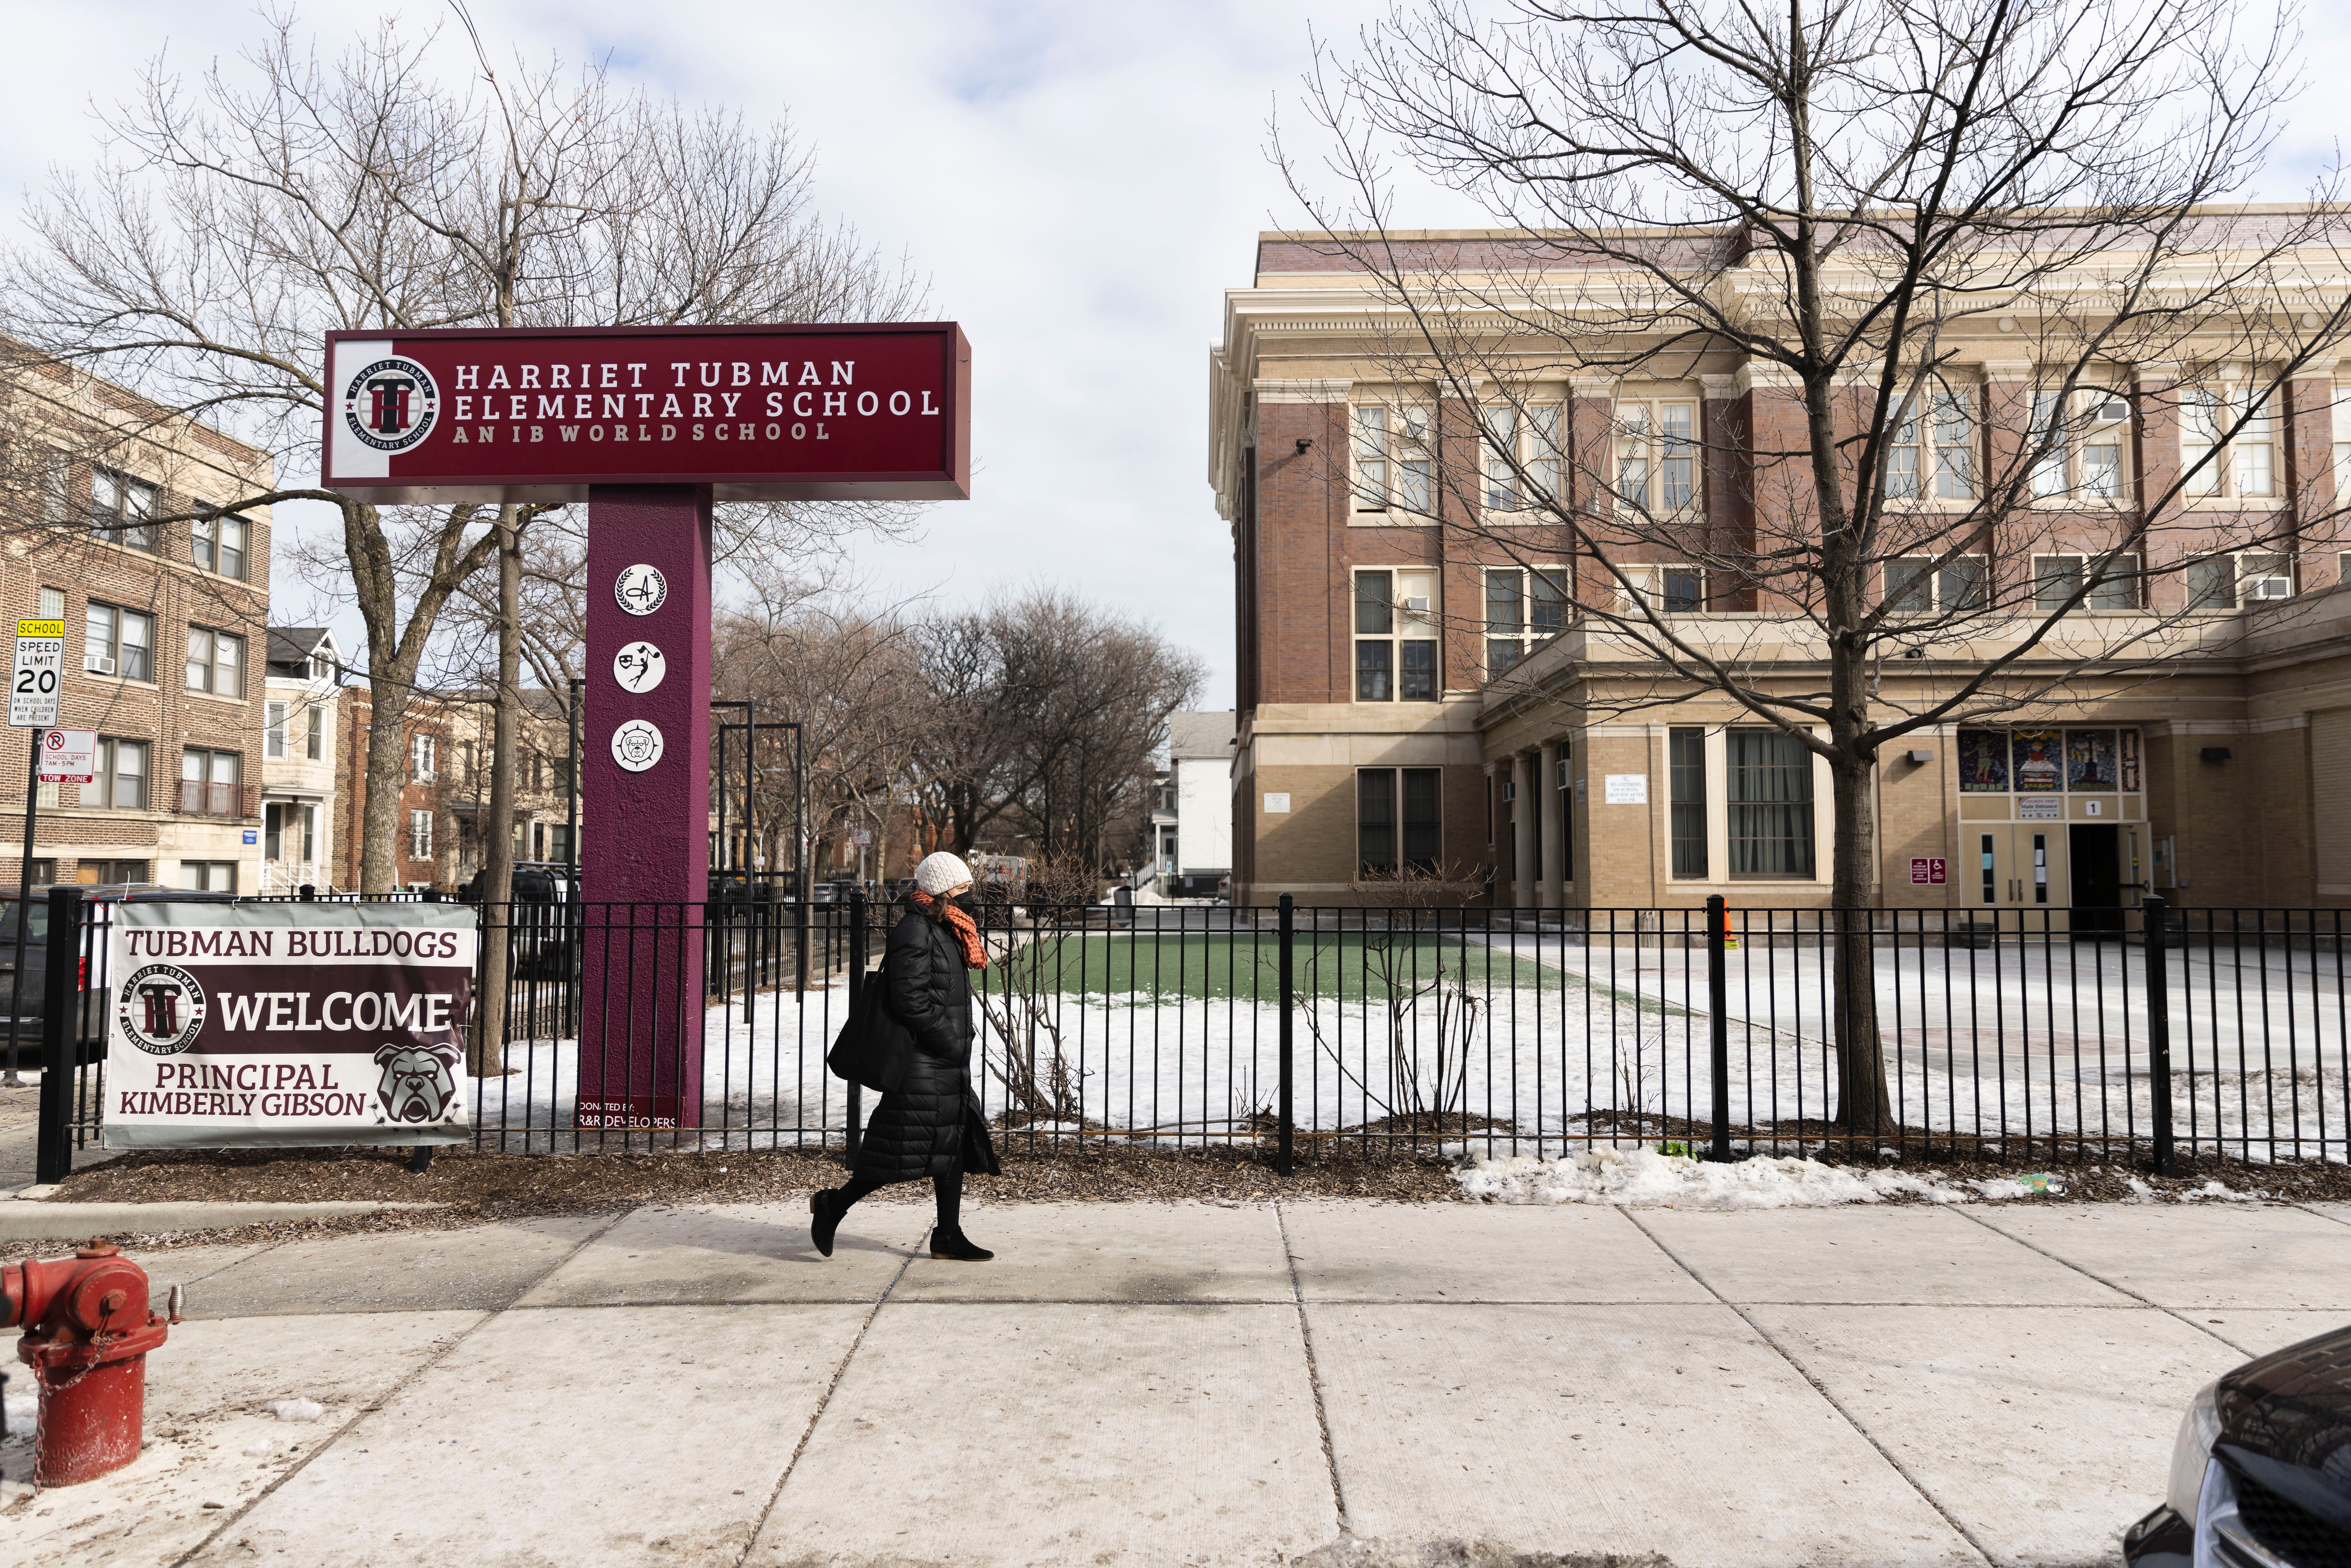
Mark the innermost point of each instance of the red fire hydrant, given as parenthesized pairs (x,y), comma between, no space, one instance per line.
(87,1330)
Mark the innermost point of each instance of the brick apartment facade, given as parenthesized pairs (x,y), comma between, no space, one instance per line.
(165,627)
(1409,698)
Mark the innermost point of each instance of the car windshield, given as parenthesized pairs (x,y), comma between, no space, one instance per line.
(40,927)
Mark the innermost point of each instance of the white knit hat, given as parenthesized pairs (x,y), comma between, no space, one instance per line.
(941,871)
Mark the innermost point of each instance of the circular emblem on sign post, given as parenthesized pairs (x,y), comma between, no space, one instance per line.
(392,404)
(161,1008)
(641,590)
(639,667)
(636,745)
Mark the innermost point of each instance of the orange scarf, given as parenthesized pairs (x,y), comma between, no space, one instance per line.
(966,933)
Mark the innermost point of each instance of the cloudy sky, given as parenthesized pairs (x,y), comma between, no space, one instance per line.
(1079,180)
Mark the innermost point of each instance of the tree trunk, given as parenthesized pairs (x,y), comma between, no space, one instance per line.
(387,774)
(1863,1105)
(497,843)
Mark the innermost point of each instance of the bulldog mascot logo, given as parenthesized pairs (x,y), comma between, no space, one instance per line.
(417,1084)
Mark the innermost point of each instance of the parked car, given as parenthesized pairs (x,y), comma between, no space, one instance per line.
(2261,1472)
(32,995)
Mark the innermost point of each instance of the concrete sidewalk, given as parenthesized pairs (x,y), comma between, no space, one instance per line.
(1342,1384)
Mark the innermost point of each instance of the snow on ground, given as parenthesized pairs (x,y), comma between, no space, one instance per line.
(1544,1045)
(1644,1179)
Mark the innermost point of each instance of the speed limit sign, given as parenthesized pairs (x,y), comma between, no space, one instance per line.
(40,671)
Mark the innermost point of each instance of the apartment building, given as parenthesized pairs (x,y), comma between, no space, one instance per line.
(164,620)
(419,833)
(301,698)
(1421,698)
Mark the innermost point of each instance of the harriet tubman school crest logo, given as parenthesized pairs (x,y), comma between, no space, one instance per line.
(161,1009)
(391,404)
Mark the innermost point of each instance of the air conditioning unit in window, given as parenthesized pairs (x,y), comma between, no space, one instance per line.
(104,666)
(2269,588)
(1418,604)
(1563,779)
(2110,411)
(1510,791)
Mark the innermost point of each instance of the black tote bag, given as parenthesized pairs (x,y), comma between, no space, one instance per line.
(873,1047)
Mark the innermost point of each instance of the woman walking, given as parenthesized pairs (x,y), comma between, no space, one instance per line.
(931,1124)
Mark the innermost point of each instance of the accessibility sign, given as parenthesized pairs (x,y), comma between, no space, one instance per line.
(40,672)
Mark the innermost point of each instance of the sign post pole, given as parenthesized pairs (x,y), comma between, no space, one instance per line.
(32,704)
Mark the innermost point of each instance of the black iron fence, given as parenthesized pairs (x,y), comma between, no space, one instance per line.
(2038,1034)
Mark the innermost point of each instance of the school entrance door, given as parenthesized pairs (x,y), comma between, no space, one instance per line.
(2019,865)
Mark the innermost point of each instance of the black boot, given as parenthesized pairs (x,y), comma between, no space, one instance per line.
(956,1247)
(828,1209)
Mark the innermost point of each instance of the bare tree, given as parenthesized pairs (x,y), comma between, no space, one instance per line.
(1858,204)
(243,213)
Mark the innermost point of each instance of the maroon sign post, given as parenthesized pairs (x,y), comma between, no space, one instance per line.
(649,426)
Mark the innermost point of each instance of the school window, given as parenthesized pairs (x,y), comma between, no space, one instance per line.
(2057,579)
(1685,784)
(1519,440)
(2226,581)
(1396,815)
(1395,636)
(208,781)
(419,835)
(1932,448)
(1524,609)
(421,760)
(2228,443)
(273,730)
(2078,442)
(120,780)
(217,544)
(1656,456)
(314,740)
(1669,590)
(208,876)
(1392,459)
(118,642)
(122,507)
(1917,585)
(216,662)
(1769,778)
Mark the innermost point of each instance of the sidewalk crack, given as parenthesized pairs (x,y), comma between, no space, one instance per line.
(1314,1374)
(1822,1389)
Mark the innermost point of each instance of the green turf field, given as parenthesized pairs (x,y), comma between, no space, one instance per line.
(1350,967)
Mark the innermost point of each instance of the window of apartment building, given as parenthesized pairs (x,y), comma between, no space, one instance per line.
(2056,579)
(273,730)
(1770,780)
(558,842)
(314,735)
(208,781)
(419,835)
(217,544)
(1685,789)
(422,759)
(1396,814)
(1524,609)
(1392,458)
(52,603)
(118,642)
(44,870)
(2084,460)
(1657,457)
(2228,442)
(208,876)
(109,873)
(1669,590)
(121,508)
(121,782)
(1933,449)
(216,662)
(1395,636)
(1916,584)
(2226,581)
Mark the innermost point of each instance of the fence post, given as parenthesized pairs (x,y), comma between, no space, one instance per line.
(60,1035)
(856,1008)
(1718,1024)
(1288,925)
(2154,912)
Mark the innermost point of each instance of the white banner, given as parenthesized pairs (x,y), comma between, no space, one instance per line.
(258,1025)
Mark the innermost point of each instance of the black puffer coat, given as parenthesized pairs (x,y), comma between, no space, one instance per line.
(931,1124)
